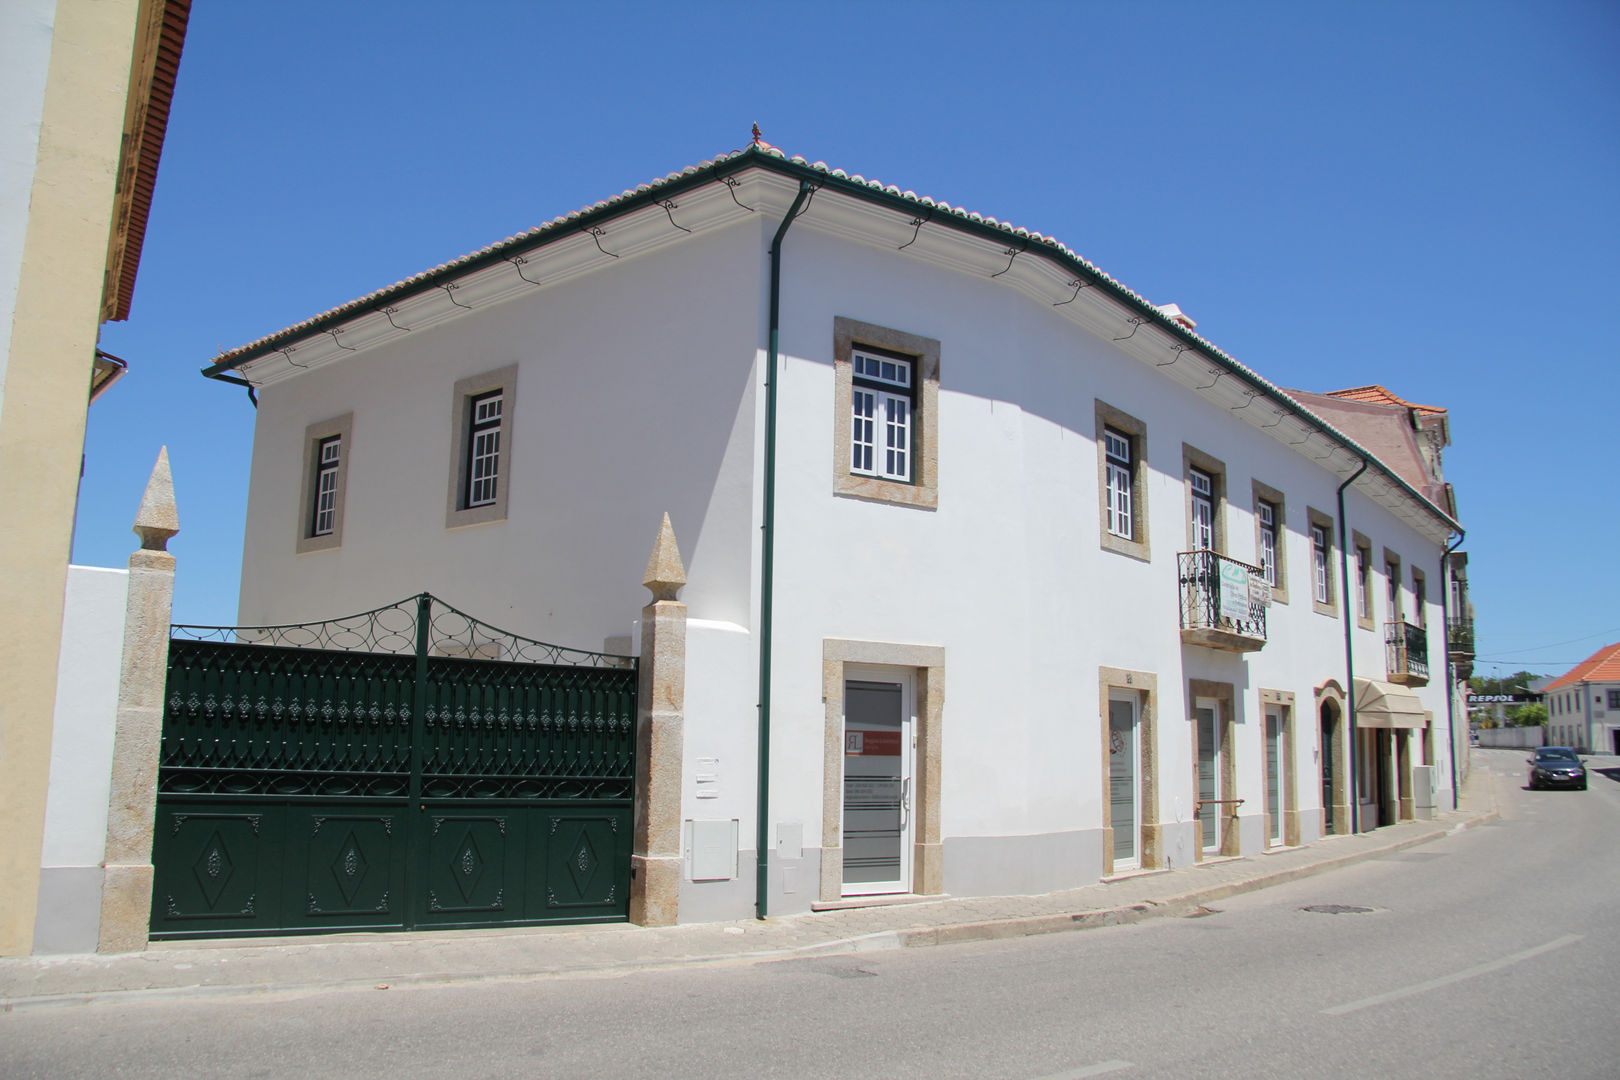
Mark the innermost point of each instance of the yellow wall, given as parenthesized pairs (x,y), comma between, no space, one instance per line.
(53,339)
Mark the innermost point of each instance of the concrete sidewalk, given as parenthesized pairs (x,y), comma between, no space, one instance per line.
(367,961)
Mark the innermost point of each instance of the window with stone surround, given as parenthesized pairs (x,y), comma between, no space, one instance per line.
(1271,539)
(886,418)
(481,447)
(1205,481)
(1362,569)
(1322,598)
(325,483)
(1121,482)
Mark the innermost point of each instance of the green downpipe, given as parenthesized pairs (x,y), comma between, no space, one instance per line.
(1445,643)
(767,564)
(1349,660)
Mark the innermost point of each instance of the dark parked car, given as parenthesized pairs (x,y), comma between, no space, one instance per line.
(1557,766)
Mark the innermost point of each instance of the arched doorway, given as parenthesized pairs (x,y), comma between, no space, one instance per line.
(1331,755)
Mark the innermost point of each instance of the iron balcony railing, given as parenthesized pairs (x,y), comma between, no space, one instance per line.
(1407,647)
(1461,637)
(1218,593)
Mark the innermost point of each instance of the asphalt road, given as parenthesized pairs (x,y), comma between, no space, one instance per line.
(1492,953)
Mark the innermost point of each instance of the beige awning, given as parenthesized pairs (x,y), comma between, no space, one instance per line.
(1385,705)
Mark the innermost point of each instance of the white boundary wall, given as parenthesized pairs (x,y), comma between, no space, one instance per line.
(81,761)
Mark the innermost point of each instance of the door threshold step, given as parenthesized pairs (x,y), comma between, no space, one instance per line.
(881,900)
(1127,875)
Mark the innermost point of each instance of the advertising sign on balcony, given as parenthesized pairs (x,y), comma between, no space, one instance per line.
(1234,590)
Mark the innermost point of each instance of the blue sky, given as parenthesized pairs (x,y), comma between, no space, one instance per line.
(1424,195)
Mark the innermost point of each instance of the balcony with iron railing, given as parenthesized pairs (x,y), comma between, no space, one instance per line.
(1406,647)
(1460,637)
(1223,602)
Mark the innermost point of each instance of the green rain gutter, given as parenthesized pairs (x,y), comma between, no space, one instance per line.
(1349,659)
(767,563)
(1445,638)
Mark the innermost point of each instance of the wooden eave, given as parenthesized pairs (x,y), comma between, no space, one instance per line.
(160,37)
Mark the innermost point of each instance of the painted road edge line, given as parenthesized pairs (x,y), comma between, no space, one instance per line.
(1447,980)
(1100,1069)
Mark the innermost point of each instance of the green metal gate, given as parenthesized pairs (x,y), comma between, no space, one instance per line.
(408,767)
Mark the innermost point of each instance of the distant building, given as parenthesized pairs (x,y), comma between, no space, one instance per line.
(1583,704)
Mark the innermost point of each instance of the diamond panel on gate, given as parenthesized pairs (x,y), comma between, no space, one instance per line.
(213,868)
(349,868)
(467,866)
(582,863)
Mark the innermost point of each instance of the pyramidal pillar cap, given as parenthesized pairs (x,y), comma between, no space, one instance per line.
(158,518)
(665,574)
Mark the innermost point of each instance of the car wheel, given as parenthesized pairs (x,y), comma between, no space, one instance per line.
(1583,785)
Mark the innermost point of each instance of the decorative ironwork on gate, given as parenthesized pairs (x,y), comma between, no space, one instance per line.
(438,751)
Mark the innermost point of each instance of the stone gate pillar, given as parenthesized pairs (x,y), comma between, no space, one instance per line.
(126,890)
(655,860)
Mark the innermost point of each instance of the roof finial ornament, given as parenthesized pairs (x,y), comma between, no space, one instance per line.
(757,136)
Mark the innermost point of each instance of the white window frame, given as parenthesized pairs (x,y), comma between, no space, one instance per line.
(1267,512)
(328,460)
(1201,486)
(882,407)
(1321,528)
(483,480)
(1120,476)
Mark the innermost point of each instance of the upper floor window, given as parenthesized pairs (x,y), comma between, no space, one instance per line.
(1268,539)
(1271,539)
(883,398)
(1319,564)
(1614,699)
(1364,601)
(1122,460)
(1420,597)
(484,449)
(325,481)
(328,456)
(886,427)
(1120,469)
(1392,589)
(1203,509)
(481,463)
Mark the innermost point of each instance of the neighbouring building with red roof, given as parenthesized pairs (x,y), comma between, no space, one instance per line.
(1583,704)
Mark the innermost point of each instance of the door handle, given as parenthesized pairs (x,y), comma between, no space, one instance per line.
(905,802)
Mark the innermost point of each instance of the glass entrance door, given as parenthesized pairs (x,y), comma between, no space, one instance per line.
(1274,822)
(1124,790)
(1207,714)
(877,786)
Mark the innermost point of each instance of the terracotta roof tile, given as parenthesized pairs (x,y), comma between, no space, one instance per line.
(1379,395)
(1601,666)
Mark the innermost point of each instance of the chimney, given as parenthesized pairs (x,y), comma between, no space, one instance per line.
(1174,312)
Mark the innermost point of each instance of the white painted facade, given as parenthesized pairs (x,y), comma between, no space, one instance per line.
(640,390)
(1585,716)
(81,760)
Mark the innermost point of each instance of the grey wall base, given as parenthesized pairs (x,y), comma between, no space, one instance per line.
(1022,865)
(69,918)
(1252,833)
(1179,841)
(720,901)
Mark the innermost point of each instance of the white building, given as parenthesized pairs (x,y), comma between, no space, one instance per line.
(1583,704)
(985,559)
